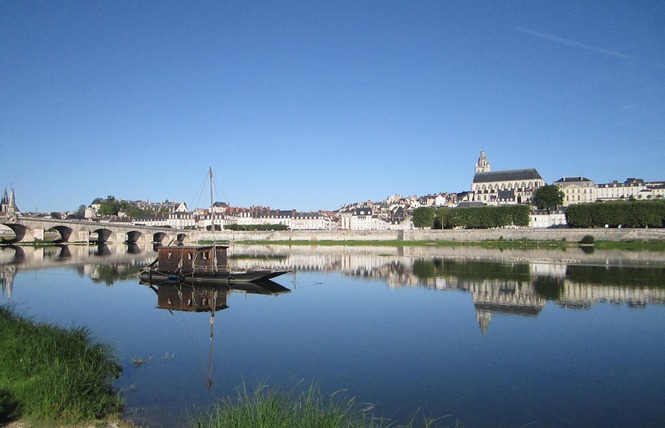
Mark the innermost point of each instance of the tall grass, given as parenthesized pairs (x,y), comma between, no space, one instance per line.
(52,374)
(265,407)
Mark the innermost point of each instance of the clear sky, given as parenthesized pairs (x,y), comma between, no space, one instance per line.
(310,105)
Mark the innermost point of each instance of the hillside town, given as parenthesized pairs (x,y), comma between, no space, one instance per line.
(491,188)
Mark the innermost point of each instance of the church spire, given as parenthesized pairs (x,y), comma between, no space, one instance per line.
(482,165)
(8,203)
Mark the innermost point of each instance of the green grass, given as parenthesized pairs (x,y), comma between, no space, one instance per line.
(500,243)
(54,375)
(266,407)
(631,245)
(352,243)
(526,244)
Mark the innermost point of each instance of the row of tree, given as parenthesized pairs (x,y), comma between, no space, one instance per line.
(246,227)
(617,214)
(471,218)
(112,206)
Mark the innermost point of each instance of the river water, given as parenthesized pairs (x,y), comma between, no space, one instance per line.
(476,337)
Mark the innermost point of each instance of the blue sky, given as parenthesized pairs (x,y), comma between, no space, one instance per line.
(311,105)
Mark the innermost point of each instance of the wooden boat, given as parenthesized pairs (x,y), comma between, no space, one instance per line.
(205,264)
(200,265)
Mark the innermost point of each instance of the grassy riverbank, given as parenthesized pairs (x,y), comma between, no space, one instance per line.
(274,408)
(631,245)
(54,376)
(526,244)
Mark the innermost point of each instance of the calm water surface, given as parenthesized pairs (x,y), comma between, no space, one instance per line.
(484,338)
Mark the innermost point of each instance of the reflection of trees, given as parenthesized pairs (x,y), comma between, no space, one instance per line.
(549,287)
(617,275)
(473,270)
(110,273)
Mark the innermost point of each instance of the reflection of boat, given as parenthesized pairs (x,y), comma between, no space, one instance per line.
(179,296)
(201,264)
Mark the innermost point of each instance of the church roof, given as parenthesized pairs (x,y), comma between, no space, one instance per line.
(506,175)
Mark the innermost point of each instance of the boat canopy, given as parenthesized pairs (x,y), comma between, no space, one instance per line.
(187,259)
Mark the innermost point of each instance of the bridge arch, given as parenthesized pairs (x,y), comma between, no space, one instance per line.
(158,238)
(103,235)
(133,236)
(19,230)
(181,237)
(65,233)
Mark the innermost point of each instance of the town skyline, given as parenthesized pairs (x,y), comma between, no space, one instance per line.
(457,197)
(311,105)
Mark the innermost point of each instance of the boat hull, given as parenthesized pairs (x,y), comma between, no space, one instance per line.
(211,278)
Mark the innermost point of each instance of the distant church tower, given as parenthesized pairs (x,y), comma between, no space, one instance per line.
(8,203)
(482,165)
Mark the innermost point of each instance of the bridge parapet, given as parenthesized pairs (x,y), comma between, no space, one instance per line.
(30,229)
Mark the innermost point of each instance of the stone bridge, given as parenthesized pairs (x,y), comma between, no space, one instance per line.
(34,229)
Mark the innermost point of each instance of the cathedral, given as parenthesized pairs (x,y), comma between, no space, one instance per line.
(507,187)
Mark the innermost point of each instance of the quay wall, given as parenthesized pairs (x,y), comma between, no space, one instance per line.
(458,235)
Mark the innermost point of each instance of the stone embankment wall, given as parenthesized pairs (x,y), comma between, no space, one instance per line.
(466,235)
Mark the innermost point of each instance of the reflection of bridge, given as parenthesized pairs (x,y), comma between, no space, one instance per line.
(89,260)
(28,229)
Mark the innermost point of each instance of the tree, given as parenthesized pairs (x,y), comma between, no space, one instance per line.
(81,210)
(548,197)
(109,207)
(423,217)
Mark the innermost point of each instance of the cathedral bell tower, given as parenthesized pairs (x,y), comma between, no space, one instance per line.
(482,165)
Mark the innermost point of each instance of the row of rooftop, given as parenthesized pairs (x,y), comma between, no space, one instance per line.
(489,187)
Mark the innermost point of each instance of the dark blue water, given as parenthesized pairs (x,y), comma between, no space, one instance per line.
(475,342)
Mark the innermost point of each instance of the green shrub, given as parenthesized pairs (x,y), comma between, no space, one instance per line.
(484,217)
(587,240)
(617,214)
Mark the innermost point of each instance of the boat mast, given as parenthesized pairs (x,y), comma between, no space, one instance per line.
(212,226)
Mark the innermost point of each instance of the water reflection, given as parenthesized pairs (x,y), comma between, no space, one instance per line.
(523,289)
(393,325)
(209,299)
(104,264)
(510,282)
(198,298)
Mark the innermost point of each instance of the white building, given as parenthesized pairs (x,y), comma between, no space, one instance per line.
(576,190)
(363,218)
(631,188)
(541,219)
(581,190)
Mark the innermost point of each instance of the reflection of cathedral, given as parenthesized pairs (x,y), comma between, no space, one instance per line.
(503,298)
